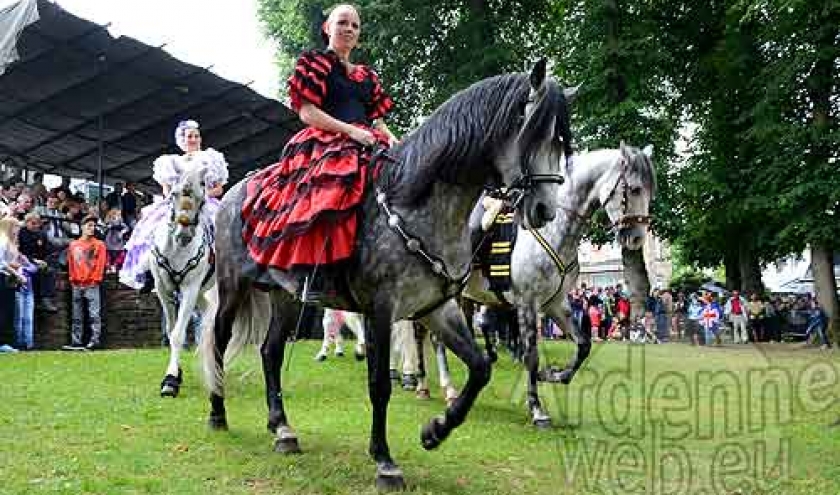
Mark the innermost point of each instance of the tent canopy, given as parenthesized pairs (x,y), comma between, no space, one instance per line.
(78,99)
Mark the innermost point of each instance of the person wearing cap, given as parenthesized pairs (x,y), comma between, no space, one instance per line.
(86,258)
(168,170)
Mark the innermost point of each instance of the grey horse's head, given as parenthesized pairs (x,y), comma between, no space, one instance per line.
(627,195)
(509,130)
(187,198)
(544,137)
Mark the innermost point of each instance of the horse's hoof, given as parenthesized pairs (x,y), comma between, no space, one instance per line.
(429,437)
(389,478)
(287,446)
(217,423)
(171,385)
(359,354)
(542,423)
(423,394)
(286,441)
(169,391)
(566,376)
(492,356)
(451,395)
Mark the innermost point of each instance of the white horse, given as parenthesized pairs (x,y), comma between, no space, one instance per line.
(182,269)
(544,263)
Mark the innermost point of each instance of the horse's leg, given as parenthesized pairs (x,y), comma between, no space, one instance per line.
(231,295)
(528,314)
(378,336)
(171,383)
(489,344)
(450,393)
(355,322)
(560,312)
(420,336)
(284,316)
(328,324)
(338,339)
(448,321)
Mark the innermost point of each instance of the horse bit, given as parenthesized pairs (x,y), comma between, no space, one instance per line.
(177,276)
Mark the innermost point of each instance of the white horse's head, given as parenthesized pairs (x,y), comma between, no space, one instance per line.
(626,193)
(187,197)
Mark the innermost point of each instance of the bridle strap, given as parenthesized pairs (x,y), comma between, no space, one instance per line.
(624,219)
(562,268)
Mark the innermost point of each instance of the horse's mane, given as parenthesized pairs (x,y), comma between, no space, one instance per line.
(456,143)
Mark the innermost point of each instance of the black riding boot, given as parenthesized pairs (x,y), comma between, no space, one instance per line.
(148,283)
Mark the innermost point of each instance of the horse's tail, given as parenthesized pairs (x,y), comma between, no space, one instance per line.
(250,326)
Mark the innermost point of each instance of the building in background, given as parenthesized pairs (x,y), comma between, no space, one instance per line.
(601,266)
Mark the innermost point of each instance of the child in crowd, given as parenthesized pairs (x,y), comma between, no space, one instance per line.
(115,237)
(86,258)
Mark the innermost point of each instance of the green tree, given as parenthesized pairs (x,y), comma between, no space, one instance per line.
(624,97)
(424,51)
(797,120)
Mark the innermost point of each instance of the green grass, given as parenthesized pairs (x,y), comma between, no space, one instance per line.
(636,420)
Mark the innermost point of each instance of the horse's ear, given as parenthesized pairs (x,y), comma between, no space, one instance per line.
(571,94)
(622,147)
(648,151)
(538,73)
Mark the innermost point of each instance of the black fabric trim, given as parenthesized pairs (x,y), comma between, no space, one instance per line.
(263,214)
(264,243)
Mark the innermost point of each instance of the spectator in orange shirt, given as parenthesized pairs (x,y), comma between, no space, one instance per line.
(86,258)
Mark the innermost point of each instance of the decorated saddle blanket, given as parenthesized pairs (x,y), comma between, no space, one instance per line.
(497,249)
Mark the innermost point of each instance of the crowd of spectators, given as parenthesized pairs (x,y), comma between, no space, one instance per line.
(37,228)
(699,318)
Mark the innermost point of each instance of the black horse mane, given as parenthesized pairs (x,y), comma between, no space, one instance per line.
(458,141)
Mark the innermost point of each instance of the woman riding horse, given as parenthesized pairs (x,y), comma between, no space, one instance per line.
(168,170)
(303,210)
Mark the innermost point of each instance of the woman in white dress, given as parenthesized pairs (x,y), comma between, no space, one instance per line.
(168,170)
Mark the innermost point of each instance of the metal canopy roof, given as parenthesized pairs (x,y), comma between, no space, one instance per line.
(77,94)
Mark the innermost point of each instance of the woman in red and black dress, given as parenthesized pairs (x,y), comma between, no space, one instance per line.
(301,212)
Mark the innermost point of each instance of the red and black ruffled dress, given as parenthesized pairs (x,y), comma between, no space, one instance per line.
(302,211)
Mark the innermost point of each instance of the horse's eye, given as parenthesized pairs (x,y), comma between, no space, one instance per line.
(636,190)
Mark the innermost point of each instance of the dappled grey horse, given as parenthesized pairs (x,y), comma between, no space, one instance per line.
(413,250)
(544,263)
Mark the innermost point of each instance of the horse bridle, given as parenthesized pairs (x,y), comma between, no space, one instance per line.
(624,220)
(177,276)
(174,209)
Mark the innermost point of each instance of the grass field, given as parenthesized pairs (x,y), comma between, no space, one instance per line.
(655,419)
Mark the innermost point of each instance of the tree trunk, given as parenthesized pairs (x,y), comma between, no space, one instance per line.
(825,286)
(635,274)
(316,25)
(749,270)
(820,86)
(733,271)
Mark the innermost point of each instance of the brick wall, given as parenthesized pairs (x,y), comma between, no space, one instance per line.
(129,319)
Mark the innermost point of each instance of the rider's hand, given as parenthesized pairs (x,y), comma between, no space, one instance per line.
(363,136)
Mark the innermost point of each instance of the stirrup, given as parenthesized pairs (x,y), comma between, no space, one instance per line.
(305,293)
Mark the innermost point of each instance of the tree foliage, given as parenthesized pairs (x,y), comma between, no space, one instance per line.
(739,98)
